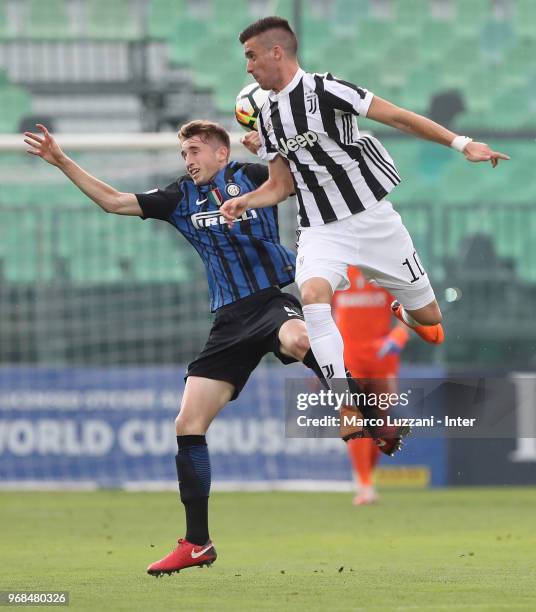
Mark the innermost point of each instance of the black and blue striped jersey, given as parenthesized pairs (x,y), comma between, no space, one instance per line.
(238,261)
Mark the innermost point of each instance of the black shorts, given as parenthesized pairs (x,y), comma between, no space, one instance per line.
(242,333)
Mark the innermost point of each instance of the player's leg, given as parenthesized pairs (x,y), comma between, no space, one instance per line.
(293,345)
(293,342)
(388,257)
(364,453)
(202,400)
(361,456)
(325,338)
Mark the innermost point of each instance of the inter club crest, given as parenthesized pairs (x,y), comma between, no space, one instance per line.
(233,190)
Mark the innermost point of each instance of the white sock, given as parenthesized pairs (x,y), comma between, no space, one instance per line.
(326,341)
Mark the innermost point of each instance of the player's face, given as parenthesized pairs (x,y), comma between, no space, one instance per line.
(261,62)
(203,159)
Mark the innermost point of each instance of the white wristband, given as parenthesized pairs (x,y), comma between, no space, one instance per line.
(460,142)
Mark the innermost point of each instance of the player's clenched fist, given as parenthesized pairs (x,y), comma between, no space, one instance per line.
(251,141)
(44,146)
(234,209)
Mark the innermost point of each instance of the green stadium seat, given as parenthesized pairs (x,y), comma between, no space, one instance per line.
(520,65)
(188,36)
(398,60)
(411,16)
(19,247)
(208,69)
(525,18)
(15,104)
(458,63)
(112,20)
(422,82)
(470,15)
(48,19)
(283,8)
(485,85)
(315,36)
(496,38)
(435,40)
(373,38)
(229,82)
(230,17)
(346,15)
(3,22)
(163,17)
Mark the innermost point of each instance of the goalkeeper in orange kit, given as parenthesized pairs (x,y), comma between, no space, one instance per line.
(372,348)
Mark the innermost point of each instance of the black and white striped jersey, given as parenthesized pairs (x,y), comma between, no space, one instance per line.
(337,172)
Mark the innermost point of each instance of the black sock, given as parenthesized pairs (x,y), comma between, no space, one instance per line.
(309,360)
(193,471)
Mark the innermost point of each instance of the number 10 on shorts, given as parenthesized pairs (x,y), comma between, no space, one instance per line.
(414,267)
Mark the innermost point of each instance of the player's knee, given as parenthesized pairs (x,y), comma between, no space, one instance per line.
(187,424)
(300,345)
(316,294)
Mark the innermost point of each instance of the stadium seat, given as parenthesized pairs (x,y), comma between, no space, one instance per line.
(230,17)
(187,37)
(112,20)
(3,22)
(373,38)
(15,104)
(48,19)
(435,40)
(496,38)
(283,8)
(520,65)
(315,36)
(524,18)
(346,15)
(208,71)
(163,17)
(421,83)
(411,16)
(469,16)
(458,62)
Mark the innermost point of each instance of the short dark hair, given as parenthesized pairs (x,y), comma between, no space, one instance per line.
(270,23)
(205,129)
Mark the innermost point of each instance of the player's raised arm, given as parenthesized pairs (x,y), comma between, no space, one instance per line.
(277,188)
(109,199)
(417,125)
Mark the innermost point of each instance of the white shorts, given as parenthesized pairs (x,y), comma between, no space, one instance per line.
(377,242)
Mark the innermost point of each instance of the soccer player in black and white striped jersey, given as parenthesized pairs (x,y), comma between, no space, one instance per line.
(307,128)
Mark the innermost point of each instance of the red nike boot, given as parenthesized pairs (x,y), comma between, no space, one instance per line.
(185,555)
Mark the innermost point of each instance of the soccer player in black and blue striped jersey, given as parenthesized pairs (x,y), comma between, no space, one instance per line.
(246,268)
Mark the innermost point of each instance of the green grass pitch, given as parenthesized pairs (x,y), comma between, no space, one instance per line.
(458,549)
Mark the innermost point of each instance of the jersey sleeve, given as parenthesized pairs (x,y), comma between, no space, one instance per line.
(344,96)
(266,152)
(160,203)
(258,173)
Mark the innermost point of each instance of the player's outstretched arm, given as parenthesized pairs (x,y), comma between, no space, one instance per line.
(384,112)
(109,199)
(277,188)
